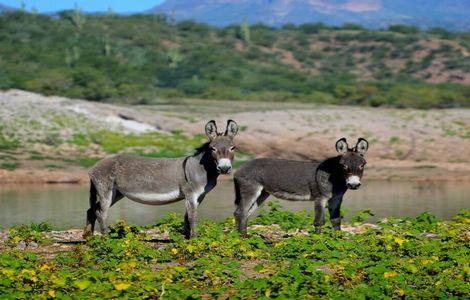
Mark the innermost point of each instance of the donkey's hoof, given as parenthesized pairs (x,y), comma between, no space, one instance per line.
(188,235)
(317,230)
(87,232)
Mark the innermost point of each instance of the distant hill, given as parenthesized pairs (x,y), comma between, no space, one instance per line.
(451,14)
(138,58)
(5,8)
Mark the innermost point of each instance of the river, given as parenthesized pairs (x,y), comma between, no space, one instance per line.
(64,206)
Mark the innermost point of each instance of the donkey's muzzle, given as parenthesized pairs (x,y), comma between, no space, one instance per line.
(353,182)
(224,169)
(224,166)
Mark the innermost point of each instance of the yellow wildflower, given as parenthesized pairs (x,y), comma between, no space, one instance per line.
(399,241)
(122,286)
(390,274)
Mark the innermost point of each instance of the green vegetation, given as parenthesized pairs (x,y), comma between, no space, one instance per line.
(148,144)
(7,141)
(138,58)
(10,166)
(28,233)
(418,258)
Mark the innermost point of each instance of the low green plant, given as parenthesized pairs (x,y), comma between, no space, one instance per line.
(417,258)
(361,216)
(287,220)
(28,233)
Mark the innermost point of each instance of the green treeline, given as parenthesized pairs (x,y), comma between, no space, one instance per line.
(137,58)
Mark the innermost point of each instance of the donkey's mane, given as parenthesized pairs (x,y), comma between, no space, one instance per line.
(202,148)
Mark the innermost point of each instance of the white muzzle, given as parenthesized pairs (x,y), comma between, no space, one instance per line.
(224,165)
(353,182)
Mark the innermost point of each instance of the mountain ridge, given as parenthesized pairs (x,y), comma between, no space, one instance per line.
(369,13)
(4,7)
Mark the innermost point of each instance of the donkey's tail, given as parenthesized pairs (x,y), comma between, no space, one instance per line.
(90,214)
(93,198)
(237,192)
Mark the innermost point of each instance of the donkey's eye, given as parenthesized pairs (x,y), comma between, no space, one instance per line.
(345,167)
(232,148)
(213,149)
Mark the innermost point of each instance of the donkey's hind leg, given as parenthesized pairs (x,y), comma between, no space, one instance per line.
(248,198)
(107,198)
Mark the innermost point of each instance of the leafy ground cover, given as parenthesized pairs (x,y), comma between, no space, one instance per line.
(420,257)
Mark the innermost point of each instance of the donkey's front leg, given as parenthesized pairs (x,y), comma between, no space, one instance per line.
(334,207)
(319,213)
(190,218)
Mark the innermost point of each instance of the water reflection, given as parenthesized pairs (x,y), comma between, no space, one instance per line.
(64,205)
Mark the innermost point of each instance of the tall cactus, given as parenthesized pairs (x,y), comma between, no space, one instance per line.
(245,31)
(107,38)
(174,57)
(78,20)
(107,45)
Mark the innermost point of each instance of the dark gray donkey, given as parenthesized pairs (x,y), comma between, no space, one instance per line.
(300,181)
(159,181)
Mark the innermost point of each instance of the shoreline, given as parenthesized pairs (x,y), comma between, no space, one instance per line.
(377,173)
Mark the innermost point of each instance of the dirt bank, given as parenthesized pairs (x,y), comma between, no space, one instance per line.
(404,144)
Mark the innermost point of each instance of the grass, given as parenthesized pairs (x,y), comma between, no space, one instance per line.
(10,166)
(425,167)
(85,162)
(394,140)
(54,167)
(416,258)
(7,141)
(172,145)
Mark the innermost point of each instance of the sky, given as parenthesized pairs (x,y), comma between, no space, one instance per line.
(117,6)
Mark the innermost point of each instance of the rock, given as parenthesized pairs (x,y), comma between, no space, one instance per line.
(33,245)
(433,236)
(325,269)
(21,245)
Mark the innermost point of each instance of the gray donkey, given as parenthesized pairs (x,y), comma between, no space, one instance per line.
(320,182)
(159,181)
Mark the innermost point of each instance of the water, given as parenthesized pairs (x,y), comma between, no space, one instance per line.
(64,206)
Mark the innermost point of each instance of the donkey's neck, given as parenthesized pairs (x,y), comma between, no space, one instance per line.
(331,165)
(333,168)
(205,161)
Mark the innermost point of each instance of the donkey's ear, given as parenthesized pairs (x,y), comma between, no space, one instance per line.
(362,146)
(211,129)
(232,129)
(342,146)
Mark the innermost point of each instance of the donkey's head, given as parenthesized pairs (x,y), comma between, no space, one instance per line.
(352,161)
(221,145)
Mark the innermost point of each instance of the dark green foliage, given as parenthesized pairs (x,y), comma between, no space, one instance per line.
(406,29)
(137,58)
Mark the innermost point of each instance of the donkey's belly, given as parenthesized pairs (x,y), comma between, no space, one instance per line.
(152,198)
(291,196)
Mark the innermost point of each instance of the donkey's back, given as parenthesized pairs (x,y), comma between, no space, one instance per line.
(279,176)
(137,171)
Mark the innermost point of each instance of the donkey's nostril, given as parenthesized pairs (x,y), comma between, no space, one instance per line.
(224,169)
(354,186)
